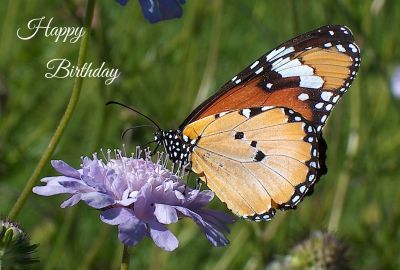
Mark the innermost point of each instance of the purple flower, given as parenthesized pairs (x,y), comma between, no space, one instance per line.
(159,10)
(138,196)
(395,82)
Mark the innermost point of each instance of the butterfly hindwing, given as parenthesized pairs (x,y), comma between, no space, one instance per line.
(308,74)
(256,159)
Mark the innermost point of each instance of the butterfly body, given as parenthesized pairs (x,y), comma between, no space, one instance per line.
(257,142)
(177,146)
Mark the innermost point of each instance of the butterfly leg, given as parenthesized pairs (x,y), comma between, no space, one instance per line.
(198,183)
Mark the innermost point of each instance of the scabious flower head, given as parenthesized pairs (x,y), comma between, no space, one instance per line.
(138,196)
(16,252)
(320,251)
(159,10)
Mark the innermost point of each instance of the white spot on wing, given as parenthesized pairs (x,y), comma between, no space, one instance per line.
(246,113)
(269,85)
(327,45)
(302,70)
(254,64)
(274,53)
(303,96)
(234,78)
(326,95)
(293,63)
(279,62)
(335,99)
(353,48)
(314,82)
(295,198)
(222,114)
(258,71)
(331,33)
(279,53)
(266,108)
(340,48)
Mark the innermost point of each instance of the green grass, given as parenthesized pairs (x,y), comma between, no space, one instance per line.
(167,69)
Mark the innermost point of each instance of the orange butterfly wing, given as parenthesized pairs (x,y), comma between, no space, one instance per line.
(308,74)
(256,159)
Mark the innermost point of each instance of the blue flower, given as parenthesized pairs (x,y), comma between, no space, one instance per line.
(138,196)
(159,10)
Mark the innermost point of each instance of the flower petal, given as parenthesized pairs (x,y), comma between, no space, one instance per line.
(198,199)
(76,185)
(97,200)
(71,201)
(216,237)
(162,237)
(217,219)
(117,215)
(155,11)
(51,190)
(132,232)
(165,214)
(122,2)
(63,168)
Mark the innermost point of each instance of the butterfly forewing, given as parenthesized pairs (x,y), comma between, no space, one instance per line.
(239,155)
(308,74)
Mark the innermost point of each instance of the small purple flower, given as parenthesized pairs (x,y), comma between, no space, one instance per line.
(138,196)
(395,83)
(159,10)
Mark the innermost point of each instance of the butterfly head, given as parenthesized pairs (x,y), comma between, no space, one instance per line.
(178,150)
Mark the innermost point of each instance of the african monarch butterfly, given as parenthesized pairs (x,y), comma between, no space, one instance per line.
(257,142)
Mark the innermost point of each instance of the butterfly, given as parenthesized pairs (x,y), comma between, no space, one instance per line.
(257,142)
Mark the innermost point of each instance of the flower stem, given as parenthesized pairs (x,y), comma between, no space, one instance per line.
(125,258)
(64,120)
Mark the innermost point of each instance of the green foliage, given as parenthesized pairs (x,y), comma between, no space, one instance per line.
(167,69)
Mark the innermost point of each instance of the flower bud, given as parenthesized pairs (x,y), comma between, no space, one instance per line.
(15,248)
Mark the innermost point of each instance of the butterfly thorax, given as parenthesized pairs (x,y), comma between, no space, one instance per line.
(177,148)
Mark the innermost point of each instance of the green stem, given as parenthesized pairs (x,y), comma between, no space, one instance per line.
(64,120)
(125,258)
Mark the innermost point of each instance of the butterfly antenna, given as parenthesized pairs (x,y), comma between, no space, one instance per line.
(133,128)
(136,111)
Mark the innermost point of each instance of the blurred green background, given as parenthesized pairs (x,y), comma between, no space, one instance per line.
(167,69)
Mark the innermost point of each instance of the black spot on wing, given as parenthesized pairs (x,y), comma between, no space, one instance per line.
(239,135)
(259,156)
